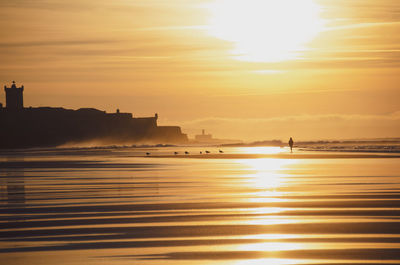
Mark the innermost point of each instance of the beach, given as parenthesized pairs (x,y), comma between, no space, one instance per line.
(125,205)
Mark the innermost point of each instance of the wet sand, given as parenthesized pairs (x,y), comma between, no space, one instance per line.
(119,207)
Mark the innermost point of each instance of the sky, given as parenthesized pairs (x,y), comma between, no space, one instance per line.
(240,69)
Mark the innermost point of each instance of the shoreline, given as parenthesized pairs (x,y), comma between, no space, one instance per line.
(278,156)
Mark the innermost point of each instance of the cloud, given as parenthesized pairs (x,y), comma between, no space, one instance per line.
(52,5)
(364,25)
(362,10)
(53,43)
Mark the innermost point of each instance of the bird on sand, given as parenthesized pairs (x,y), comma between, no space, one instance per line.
(175,153)
(186,152)
(207,152)
(147,154)
(220,151)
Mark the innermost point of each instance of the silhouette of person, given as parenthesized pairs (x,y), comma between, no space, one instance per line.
(291,144)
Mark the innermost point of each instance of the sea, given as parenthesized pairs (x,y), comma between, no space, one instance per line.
(211,205)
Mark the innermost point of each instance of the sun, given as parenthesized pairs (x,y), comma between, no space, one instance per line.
(266,30)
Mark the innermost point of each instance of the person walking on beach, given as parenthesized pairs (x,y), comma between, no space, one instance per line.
(291,144)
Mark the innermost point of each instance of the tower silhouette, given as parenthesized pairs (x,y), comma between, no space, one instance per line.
(14,97)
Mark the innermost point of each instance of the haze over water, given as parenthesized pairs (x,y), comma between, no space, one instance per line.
(246,206)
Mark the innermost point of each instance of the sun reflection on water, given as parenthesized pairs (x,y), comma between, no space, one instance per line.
(270,261)
(268,177)
(270,246)
(262,150)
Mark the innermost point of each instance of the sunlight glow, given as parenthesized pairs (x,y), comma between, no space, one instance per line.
(267,176)
(270,246)
(262,150)
(270,261)
(266,172)
(266,30)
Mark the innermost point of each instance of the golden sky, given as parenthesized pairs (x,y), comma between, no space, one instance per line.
(247,69)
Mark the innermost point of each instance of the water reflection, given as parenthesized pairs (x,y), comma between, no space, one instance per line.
(267,176)
(148,210)
(270,261)
(15,189)
(262,150)
(12,184)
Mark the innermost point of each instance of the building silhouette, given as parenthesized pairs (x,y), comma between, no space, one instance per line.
(53,126)
(207,138)
(14,97)
(203,137)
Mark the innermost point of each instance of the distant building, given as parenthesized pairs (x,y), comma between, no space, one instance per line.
(14,97)
(203,137)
